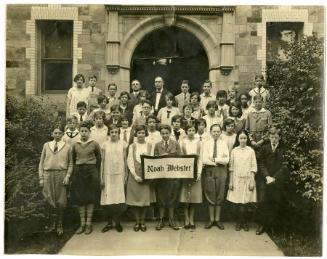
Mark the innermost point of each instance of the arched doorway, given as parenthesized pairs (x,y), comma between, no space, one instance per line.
(173,53)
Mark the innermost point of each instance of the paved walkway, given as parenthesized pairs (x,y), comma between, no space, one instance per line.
(171,242)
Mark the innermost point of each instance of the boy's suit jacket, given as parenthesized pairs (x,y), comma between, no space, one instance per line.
(173,148)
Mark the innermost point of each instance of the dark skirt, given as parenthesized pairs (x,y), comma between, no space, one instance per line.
(168,192)
(85,185)
(214,180)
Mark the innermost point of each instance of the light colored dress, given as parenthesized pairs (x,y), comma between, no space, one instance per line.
(153,138)
(213,120)
(113,168)
(229,140)
(100,135)
(242,163)
(138,194)
(191,191)
(76,95)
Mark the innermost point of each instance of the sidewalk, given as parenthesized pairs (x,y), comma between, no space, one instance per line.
(171,242)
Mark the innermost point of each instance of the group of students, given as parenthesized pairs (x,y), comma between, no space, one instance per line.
(98,154)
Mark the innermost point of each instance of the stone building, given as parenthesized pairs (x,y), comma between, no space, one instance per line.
(48,44)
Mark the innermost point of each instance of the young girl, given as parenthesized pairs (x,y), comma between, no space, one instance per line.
(113,178)
(124,107)
(138,109)
(235,113)
(75,94)
(242,168)
(215,159)
(103,102)
(191,193)
(125,131)
(55,169)
(178,133)
(195,103)
(71,133)
(246,108)
(99,132)
(211,117)
(85,183)
(229,135)
(153,134)
(167,190)
(187,119)
(139,194)
(165,114)
(258,122)
(232,96)
(202,134)
(259,89)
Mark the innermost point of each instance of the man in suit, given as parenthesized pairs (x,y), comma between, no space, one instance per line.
(157,98)
(271,178)
(134,95)
(184,97)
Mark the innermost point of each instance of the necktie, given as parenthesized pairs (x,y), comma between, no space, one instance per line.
(125,135)
(168,114)
(81,118)
(184,98)
(141,112)
(200,138)
(166,146)
(55,149)
(177,134)
(273,148)
(215,149)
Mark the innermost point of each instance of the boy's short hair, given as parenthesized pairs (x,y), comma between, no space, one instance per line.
(147,102)
(71,118)
(100,114)
(165,126)
(58,126)
(184,82)
(176,117)
(215,125)
(228,122)
(86,124)
(78,76)
(101,98)
(124,93)
(115,107)
(112,84)
(112,127)
(212,104)
(152,117)
(258,97)
(199,121)
(81,104)
(221,93)
(93,77)
(207,81)
(273,130)
(187,106)
(259,75)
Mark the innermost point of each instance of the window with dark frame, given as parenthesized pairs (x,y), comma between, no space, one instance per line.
(56,55)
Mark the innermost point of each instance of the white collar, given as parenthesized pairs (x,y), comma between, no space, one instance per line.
(207,96)
(60,144)
(261,111)
(75,131)
(82,142)
(262,90)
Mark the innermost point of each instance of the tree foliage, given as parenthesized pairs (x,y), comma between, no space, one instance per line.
(297,107)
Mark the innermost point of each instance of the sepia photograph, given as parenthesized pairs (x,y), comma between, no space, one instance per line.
(159,129)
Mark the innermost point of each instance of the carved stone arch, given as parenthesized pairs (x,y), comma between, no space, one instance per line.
(192,25)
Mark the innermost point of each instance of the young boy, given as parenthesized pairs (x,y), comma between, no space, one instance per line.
(115,116)
(81,113)
(257,122)
(76,94)
(94,93)
(110,92)
(146,111)
(206,96)
(223,108)
(259,89)
(99,132)
(187,119)
(125,130)
(166,113)
(177,133)
(211,117)
(102,102)
(168,190)
(184,97)
(71,134)
(215,159)
(271,180)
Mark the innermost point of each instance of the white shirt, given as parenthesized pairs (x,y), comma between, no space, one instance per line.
(205,99)
(78,116)
(158,96)
(222,152)
(60,144)
(163,114)
(128,132)
(76,95)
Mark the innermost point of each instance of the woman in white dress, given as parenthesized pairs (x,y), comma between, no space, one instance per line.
(113,177)
(242,167)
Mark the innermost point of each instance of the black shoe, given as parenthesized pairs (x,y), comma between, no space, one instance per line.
(119,228)
(192,226)
(172,224)
(136,227)
(246,227)
(260,230)
(160,224)
(187,226)
(143,227)
(220,225)
(209,225)
(238,227)
(106,228)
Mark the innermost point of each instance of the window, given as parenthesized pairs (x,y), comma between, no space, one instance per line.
(56,55)
(279,36)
